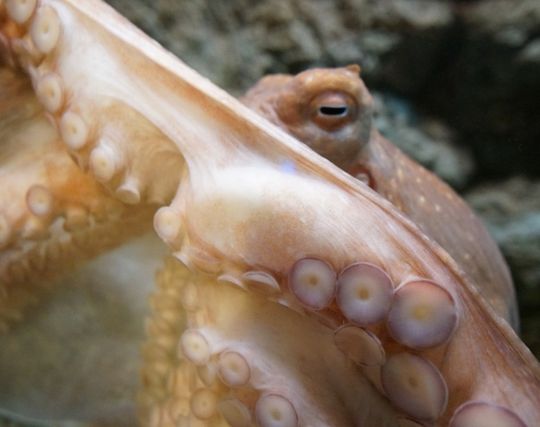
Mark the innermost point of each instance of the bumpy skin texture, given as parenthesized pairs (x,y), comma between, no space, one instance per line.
(54,215)
(287,254)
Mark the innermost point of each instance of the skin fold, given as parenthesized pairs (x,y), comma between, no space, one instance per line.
(245,206)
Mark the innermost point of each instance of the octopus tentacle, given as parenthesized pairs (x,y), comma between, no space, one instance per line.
(60,214)
(106,143)
(415,385)
(225,356)
(250,198)
(352,143)
(56,215)
(310,197)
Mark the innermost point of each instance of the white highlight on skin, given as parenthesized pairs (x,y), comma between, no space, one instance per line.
(364,293)
(74,130)
(233,369)
(484,414)
(20,10)
(235,413)
(203,403)
(414,385)
(273,410)
(361,346)
(103,163)
(167,223)
(128,192)
(40,200)
(262,282)
(45,29)
(313,281)
(50,93)
(423,314)
(195,347)
(232,279)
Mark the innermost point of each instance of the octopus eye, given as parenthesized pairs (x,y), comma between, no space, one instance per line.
(332,110)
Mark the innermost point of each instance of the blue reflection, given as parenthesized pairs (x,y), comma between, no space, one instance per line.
(288,166)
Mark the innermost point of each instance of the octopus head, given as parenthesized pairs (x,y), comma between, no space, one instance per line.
(329,109)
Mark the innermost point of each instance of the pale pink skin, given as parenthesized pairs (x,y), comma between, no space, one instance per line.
(415,385)
(423,315)
(484,414)
(364,293)
(360,345)
(294,102)
(237,195)
(313,282)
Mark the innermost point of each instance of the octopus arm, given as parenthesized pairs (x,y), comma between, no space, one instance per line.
(330,110)
(253,201)
(54,215)
(278,219)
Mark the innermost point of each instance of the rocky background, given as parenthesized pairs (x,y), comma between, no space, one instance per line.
(457,85)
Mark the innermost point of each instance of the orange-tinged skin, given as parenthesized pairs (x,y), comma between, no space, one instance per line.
(239,197)
(350,142)
(83,220)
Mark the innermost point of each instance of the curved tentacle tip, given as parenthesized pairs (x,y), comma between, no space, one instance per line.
(484,414)
(423,314)
(273,410)
(414,385)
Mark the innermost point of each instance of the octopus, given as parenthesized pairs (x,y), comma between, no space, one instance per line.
(310,274)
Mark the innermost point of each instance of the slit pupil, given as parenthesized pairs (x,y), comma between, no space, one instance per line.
(333,111)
